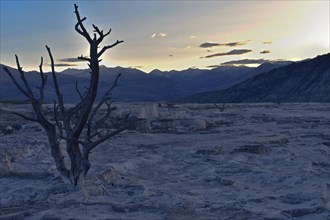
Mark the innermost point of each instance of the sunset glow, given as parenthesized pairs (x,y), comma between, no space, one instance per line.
(167,35)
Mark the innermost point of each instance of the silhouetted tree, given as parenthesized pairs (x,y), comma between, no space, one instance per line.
(77,125)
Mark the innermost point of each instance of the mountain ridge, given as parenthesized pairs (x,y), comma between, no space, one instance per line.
(138,86)
(134,84)
(304,81)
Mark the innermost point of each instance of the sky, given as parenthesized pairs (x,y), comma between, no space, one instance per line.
(166,35)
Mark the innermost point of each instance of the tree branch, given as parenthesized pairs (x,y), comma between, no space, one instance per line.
(101,34)
(107,136)
(72,139)
(20,88)
(95,134)
(21,72)
(80,24)
(57,89)
(43,82)
(106,34)
(102,101)
(25,117)
(79,93)
(108,47)
(84,58)
(57,122)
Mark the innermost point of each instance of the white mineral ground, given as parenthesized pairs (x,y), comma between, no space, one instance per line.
(251,161)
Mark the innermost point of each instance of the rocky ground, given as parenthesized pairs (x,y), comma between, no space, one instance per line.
(250,161)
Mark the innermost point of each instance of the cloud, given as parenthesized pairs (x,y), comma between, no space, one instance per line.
(179,48)
(265,51)
(212,66)
(232,52)
(234,44)
(153,35)
(67,62)
(256,61)
(135,67)
(230,44)
(71,60)
(64,64)
(267,42)
(192,37)
(157,35)
(209,44)
(245,61)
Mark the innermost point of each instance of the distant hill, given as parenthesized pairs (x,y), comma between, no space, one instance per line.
(136,85)
(304,81)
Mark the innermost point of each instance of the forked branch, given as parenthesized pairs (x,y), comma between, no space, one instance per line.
(26,84)
(100,33)
(79,27)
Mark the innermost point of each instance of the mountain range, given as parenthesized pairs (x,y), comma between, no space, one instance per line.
(304,81)
(270,82)
(135,85)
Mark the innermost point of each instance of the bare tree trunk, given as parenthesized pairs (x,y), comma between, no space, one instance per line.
(57,153)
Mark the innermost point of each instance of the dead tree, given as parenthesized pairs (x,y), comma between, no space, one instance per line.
(221,108)
(77,125)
